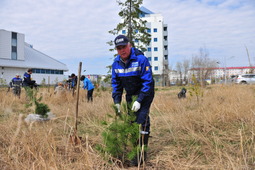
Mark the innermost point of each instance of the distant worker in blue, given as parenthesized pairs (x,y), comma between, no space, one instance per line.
(73,81)
(131,71)
(27,80)
(16,85)
(87,84)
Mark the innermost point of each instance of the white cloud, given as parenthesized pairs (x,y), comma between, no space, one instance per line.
(221,28)
(79,29)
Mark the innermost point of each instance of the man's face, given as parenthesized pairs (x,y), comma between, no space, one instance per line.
(124,51)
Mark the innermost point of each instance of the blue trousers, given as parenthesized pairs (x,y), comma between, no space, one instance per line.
(142,115)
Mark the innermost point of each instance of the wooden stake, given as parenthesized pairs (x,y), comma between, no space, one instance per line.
(48,84)
(77,96)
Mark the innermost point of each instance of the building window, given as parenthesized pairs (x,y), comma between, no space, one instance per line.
(37,71)
(165,28)
(14,46)
(14,53)
(136,31)
(123,31)
(165,47)
(166,57)
(155,39)
(14,42)
(136,40)
(155,30)
(14,35)
(155,48)
(149,58)
(149,48)
(148,30)
(165,38)
(156,68)
(155,58)
(46,71)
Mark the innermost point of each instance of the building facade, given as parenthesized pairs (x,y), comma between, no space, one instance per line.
(217,74)
(157,51)
(16,56)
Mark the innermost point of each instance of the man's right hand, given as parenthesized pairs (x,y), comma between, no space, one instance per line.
(118,107)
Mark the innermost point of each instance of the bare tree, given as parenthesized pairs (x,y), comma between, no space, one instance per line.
(186,67)
(179,70)
(202,65)
(182,69)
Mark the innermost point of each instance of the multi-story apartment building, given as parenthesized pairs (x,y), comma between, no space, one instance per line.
(157,51)
(16,56)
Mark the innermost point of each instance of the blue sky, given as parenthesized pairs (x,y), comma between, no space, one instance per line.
(77,31)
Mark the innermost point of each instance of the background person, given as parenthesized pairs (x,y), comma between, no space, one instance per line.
(16,84)
(73,83)
(27,80)
(89,86)
(59,89)
(131,71)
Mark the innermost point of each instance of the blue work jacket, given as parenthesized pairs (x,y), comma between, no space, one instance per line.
(27,79)
(87,84)
(135,76)
(16,82)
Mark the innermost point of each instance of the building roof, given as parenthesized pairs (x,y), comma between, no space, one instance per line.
(145,10)
(34,59)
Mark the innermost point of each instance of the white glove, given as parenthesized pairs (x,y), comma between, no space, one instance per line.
(136,106)
(118,107)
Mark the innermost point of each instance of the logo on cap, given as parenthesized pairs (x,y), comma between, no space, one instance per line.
(119,40)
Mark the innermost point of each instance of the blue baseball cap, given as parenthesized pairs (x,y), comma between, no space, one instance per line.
(121,40)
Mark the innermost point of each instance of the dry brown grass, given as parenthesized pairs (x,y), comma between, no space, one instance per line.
(217,133)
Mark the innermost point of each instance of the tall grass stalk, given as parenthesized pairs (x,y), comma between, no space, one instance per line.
(217,133)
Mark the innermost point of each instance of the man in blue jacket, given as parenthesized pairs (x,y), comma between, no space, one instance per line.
(89,86)
(16,84)
(28,82)
(131,71)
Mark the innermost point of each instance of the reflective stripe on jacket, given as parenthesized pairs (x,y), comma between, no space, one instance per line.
(135,77)
(16,82)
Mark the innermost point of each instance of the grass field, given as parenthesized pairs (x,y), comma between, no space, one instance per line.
(216,132)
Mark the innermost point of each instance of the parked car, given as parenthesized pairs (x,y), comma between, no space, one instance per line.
(232,78)
(245,79)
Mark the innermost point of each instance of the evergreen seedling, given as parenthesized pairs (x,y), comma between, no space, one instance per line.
(120,136)
(40,108)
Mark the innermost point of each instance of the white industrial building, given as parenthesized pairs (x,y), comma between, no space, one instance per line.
(16,56)
(157,51)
